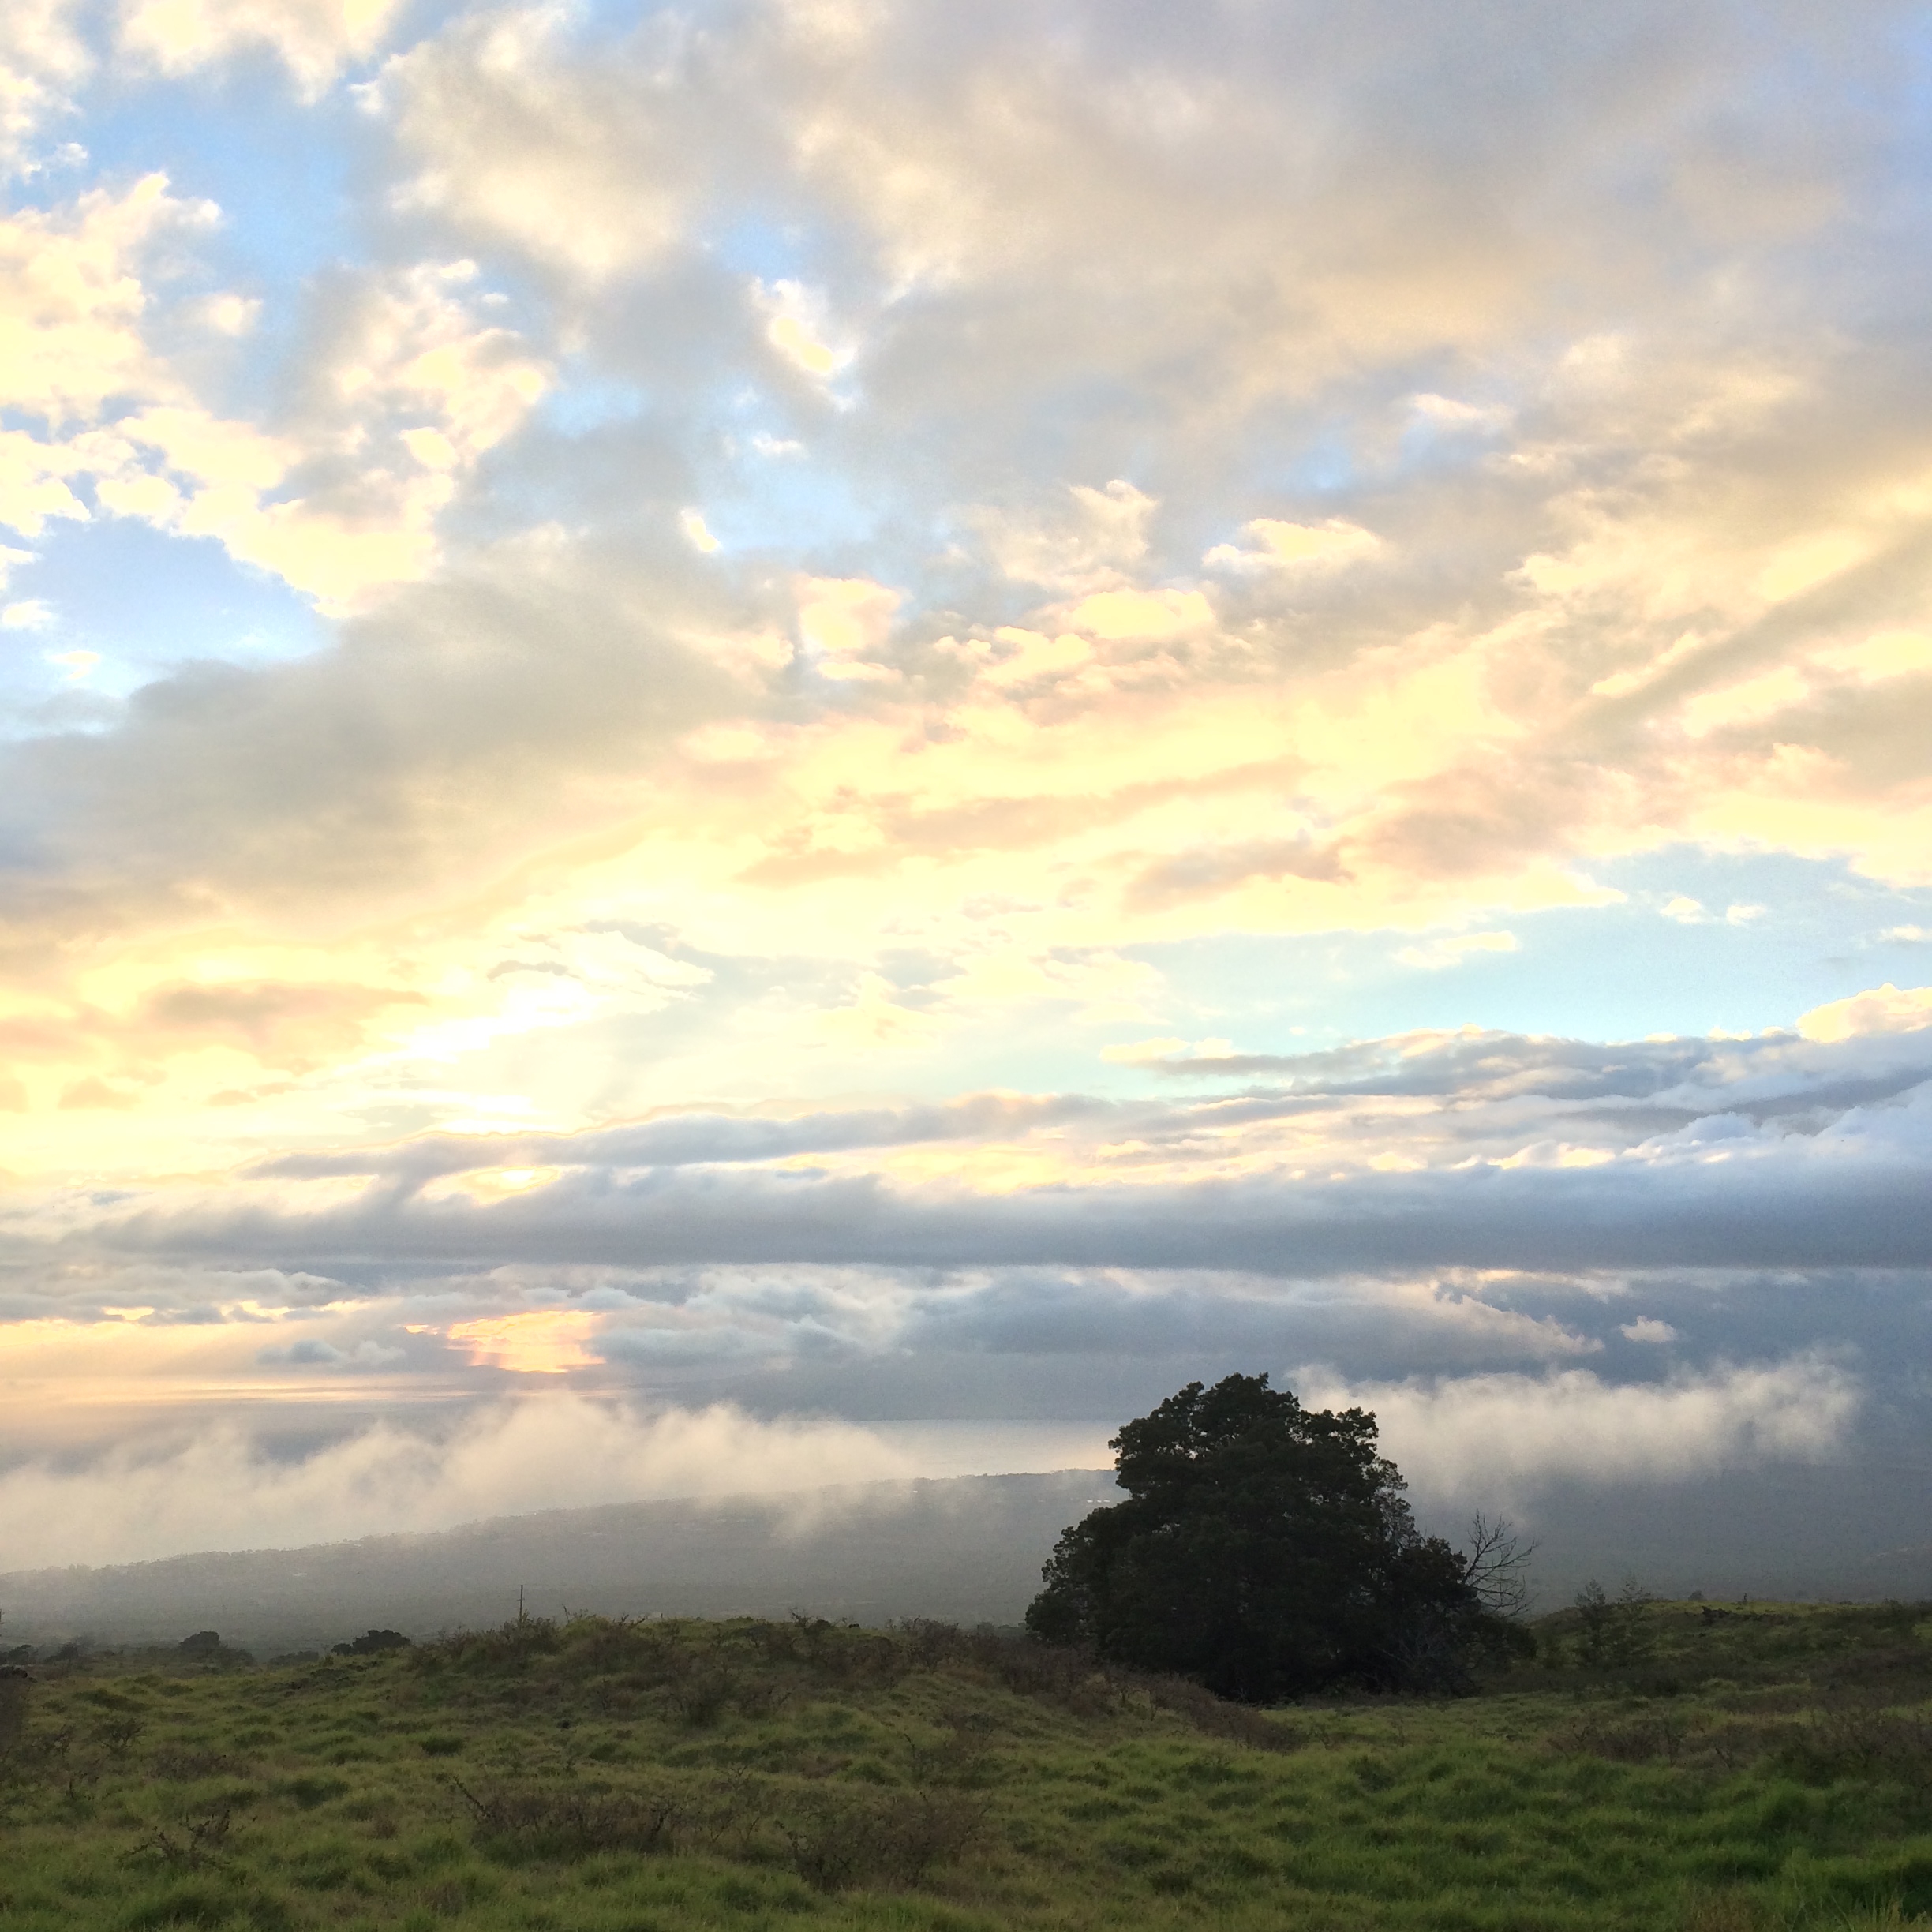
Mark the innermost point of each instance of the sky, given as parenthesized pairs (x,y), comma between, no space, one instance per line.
(788,741)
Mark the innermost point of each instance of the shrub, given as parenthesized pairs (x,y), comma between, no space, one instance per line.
(843,1838)
(569,1819)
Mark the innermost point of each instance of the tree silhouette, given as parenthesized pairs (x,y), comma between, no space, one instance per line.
(1266,1550)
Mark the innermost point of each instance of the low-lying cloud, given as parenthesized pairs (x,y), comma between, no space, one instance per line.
(1500,1439)
(218,1490)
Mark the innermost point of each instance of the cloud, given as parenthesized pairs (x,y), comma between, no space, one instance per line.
(1455,951)
(1448,1152)
(1648,1329)
(502,121)
(41,63)
(218,1489)
(1886,1009)
(406,391)
(1087,542)
(313,1353)
(1277,545)
(314,39)
(1505,1436)
(1142,1053)
(680,1140)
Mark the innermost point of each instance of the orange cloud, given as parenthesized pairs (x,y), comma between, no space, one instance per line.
(541,1342)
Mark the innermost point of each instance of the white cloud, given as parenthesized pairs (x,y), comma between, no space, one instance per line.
(1647,1328)
(343,501)
(1088,540)
(1277,545)
(314,39)
(798,325)
(219,1490)
(1505,1436)
(697,532)
(1138,1053)
(1435,955)
(42,58)
(1884,1009)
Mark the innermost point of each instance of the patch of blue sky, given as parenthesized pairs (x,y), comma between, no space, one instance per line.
(1907,148)
(1326,467)
(581,403)
(587,25)
(785,503)
(1290,461)
(280,172)
(1702,941)
(1438,438)
(1912,69)
(139,601)
(755,245)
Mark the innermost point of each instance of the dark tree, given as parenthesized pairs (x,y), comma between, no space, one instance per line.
(1266,1550)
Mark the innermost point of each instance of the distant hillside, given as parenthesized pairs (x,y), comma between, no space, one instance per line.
(969,1549)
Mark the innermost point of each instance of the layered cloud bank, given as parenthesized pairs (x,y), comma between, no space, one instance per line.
(1630,1228)
(901,712)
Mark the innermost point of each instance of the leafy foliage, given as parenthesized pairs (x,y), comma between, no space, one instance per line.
(1266,1550)
(1612,1631)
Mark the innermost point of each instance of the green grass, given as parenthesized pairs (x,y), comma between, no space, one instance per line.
(1758,1770)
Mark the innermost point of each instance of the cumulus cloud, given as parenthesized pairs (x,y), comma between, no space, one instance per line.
(407,390)
(43,58)
(314,37)
(1884,1010)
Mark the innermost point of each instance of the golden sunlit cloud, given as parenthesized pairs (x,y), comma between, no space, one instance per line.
(538,1342)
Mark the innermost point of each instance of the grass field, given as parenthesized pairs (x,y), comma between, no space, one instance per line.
(1731,1767)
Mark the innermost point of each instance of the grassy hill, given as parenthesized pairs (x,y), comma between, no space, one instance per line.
(1717,1767)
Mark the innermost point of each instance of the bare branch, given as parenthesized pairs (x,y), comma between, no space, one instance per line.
(1496,1565)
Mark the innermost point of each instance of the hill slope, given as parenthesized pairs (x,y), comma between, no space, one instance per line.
(967,1548)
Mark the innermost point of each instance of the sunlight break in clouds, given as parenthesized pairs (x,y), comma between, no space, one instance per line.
(942,716)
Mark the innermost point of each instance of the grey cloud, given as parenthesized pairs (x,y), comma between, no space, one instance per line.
(1762,1077)
(377,765)
(312,1352)
(36,1288)
(688,1140)
(1849,1195)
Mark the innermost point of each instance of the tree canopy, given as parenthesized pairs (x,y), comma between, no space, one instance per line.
(1267,1551)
